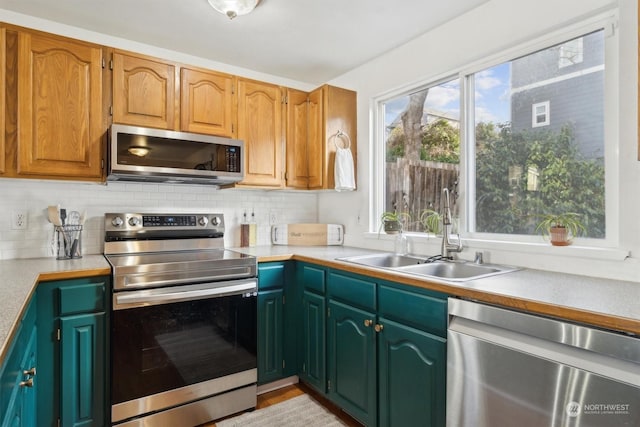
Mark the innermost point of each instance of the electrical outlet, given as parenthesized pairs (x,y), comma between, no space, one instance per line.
(19,220)
(273,218)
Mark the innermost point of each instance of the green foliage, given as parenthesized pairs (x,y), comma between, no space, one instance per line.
(431,221)
(440,142)
(399,217)
(526,174)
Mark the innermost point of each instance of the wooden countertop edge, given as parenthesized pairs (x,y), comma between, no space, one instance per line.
(72,274)
(600,320)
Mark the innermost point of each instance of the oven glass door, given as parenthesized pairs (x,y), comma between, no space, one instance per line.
(163,347)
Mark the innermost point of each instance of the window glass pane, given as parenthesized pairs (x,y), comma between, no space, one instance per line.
(422,153)
(549,165)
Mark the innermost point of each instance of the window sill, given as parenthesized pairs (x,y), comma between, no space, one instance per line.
(575,251)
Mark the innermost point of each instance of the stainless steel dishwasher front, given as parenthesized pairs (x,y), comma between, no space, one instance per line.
(507,368)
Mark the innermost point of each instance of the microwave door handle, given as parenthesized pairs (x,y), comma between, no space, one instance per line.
(129,299)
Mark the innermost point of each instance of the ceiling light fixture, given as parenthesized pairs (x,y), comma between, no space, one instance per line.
(233,8)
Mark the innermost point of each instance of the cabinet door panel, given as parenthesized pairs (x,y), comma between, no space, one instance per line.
(143,92)
(352,360)
(297,139)
(82,377)
(270,328)
(59,107)
(411,376)
(206,102)
(260,127)
(313,340)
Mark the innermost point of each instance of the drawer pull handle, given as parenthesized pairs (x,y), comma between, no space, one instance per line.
(378,327)
(27,383)
(31,372)
(368,322)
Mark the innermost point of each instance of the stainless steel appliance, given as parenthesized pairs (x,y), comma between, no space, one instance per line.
(183,324)
(507,368)
(158,155)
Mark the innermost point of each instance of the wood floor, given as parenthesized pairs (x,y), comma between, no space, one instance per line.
(288,392)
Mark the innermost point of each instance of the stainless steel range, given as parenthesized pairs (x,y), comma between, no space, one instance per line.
(183,321)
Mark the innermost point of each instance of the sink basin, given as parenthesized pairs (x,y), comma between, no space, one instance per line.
(385,260)
(455,270)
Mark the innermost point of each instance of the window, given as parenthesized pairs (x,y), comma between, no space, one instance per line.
(540,114)
(422,152)
(526,165)
(519,164)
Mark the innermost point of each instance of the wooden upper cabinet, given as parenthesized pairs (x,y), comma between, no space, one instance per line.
(207,102)
(59,106)
(3,84)
(313,119)
(260,127)
(297,175)
(144,91)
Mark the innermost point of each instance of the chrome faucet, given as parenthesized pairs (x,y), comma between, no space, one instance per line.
(448,244)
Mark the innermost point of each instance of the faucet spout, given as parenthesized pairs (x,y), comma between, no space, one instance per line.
(449,243)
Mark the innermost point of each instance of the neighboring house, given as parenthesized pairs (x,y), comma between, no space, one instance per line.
(540,84)
(429,115)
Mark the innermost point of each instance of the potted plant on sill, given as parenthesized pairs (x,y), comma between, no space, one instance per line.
(561,228)
(391,222)
(431,221)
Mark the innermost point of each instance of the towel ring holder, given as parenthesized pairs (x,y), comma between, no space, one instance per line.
(343,135)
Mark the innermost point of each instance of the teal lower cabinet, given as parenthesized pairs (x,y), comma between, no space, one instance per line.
(73,347)
(411,376)
(277,328)
(385,352)
(18,382)
(310,280)
(352,360)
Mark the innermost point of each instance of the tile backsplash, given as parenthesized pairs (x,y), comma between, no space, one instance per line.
(33,196)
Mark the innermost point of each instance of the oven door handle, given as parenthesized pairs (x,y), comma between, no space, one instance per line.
(130,299)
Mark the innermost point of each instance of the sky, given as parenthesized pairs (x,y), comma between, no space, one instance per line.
(492,87)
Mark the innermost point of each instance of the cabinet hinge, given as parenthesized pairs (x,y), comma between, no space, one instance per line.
(328,311)
(284,300)
(328,385)
(101,163)
(104,63)
(233,129)
(111,110)
(111,64)
(304,367)
(58,333)
(283,364)
(285,99)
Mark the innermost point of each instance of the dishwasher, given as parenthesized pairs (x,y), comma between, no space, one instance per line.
(507,368)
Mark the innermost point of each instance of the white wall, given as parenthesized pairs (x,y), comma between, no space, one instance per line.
(486,31)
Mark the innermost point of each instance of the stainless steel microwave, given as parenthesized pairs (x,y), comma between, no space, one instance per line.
(158,155)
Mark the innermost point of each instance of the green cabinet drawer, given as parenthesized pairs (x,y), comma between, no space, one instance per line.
(271,276)
(420,311)
(313,278)
(361,293)
(82,298)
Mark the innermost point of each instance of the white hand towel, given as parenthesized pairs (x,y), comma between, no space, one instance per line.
(344,177)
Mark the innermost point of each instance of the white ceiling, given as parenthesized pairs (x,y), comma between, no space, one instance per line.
(310,41)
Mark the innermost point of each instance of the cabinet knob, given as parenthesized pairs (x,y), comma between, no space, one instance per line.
(368,322)
(27,383)
(31,372)
(378,327)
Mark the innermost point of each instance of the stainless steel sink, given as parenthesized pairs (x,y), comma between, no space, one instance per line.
(384,260)
(457,271)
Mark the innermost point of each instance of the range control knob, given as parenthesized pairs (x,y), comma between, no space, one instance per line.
(117,221)
(215,221)
(134,221)
(203,221)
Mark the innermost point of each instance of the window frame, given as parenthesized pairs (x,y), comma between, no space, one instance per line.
(606,21)
(534,115)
